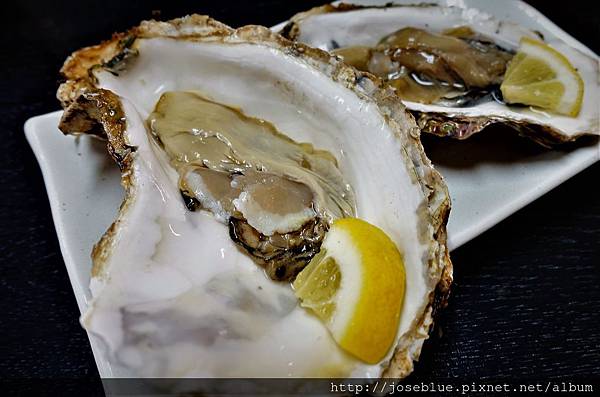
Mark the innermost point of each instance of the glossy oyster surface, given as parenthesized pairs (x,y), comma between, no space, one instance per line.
(178,284)
(446,109)
(452,68)
(278,196)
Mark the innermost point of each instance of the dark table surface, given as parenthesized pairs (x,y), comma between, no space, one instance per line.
(525,302)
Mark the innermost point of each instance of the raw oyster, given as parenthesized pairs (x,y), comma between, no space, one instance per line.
(173,293)
(351,29)
(277,196)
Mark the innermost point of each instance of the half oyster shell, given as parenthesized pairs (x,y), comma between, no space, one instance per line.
(330,27)
(173,293)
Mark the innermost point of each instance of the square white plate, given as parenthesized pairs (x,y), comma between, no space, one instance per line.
(84,189)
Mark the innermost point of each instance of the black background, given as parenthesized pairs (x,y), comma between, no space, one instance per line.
(525,302)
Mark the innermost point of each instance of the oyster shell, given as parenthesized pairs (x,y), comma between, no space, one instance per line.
(173,295)
(330,27)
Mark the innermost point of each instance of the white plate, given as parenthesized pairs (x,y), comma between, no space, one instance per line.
(85,193)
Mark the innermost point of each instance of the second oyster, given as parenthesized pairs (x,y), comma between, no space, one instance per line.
(446,61)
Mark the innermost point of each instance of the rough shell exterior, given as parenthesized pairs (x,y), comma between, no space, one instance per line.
(92,110)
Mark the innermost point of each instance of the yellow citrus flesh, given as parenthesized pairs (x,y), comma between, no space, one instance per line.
(355,285)
(538,75)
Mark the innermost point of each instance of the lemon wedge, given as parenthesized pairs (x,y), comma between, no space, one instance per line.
(538,75)
(355,285)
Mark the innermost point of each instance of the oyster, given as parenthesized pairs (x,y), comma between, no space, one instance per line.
(446,63)
(238,148)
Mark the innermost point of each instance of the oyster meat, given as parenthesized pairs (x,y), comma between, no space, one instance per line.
(277,196)
(238,149)
(447,64)
(452,68)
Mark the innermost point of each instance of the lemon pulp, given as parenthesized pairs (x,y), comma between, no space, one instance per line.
(538,75)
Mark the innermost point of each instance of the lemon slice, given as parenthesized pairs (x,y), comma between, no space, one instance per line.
(355,285)
(538,75)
